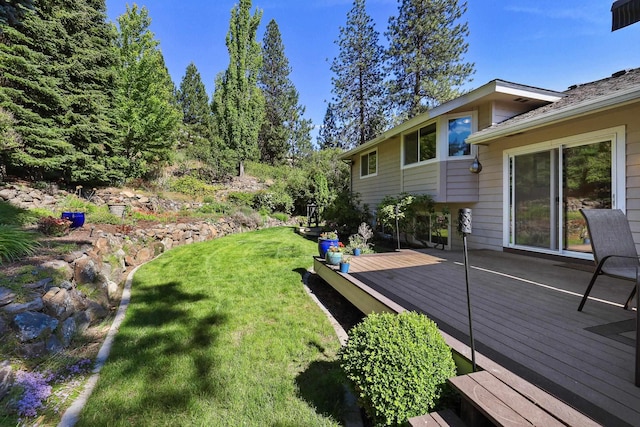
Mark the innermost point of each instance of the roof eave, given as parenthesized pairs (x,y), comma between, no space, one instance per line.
(587,107)
(496,85)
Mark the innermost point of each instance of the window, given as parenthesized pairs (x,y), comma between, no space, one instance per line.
(459,130)
(420,145)
(369,164)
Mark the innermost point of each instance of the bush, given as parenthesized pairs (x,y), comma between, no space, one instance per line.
(54,226)
(398,366)
(15,242)
(192,186)
(240,198)
(345,213)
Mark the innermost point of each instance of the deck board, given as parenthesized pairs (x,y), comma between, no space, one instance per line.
(532,329)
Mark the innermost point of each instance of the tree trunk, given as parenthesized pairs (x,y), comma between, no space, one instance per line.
(241,169)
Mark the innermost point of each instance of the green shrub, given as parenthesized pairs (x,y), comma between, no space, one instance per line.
(345,214)
(192,186)
(280,216)
(398,365)
(239,198)
(13,215)
(73,203)
(213,207)
(15,242)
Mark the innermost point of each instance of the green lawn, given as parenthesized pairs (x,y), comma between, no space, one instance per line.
(222,333)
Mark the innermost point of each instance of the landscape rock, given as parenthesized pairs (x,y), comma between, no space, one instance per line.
(34,325)
(66,331)
(33,305)
(6,296)
(59,267)
(85,270)
(53,345)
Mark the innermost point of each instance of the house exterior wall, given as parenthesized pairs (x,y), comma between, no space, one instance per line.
(387,181)
(488,211)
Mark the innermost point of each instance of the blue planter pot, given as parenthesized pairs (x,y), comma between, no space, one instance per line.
(344,267)
(357,251)
(333,258)
(76,218)
(324,244)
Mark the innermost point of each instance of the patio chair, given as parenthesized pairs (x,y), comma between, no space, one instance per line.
(614,250)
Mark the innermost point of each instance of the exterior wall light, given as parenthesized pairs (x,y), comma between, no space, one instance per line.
(475,167)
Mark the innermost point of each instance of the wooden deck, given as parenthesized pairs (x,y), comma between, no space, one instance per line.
(525,320)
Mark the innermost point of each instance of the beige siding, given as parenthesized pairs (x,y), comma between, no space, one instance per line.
(459,185)
(488,212)
(422,179)
(505,110)
(485,116)
(373,189)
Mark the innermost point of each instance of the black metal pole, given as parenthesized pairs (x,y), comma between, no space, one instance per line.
(637,329)
(398,225)
(464,226)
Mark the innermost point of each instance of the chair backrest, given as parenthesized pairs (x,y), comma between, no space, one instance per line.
(610,234)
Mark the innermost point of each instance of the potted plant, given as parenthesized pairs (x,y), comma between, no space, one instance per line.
(358,243)
(334,254)
(326,240)
(344,264)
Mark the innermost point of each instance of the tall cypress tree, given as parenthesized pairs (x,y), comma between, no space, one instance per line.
(281,98)
(358,84)
(426,49)
(238,103)
(147,110)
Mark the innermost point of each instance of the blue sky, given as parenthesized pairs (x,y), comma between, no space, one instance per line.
(551,44)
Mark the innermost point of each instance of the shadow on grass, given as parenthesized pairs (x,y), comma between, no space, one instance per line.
(321,386)
(162,333)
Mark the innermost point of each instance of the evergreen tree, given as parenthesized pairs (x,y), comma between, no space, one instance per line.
(12,11)
(281,98)
(329,134)
(426,49)
(86,67)
(30,92)
(238,103)
(300,146)
(358,84)
(147,109)
(196,113)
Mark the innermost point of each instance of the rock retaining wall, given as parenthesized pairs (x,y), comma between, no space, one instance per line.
(84,286)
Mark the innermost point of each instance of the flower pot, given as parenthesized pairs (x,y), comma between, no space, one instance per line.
(344,267)
(117,210)
(357,251)
(333,258)
(325,244)
(76,218)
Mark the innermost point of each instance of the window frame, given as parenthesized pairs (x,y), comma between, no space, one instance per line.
(362,160)
(474,128)
(416,131)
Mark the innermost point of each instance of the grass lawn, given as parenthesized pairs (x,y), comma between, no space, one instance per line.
(222,333)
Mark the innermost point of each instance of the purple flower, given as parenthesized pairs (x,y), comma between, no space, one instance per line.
(36,390)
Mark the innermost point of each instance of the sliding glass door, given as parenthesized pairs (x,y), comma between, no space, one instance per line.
(548,187)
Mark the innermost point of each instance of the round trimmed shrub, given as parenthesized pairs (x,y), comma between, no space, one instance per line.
(398,365)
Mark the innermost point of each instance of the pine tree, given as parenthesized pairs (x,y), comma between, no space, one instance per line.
(300,146)
(280,95)
(329,135)
(30,92)
(147,110)
(426,49)
(196,113)
(238,103)
(12,11)
(358,84)
(86,67)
